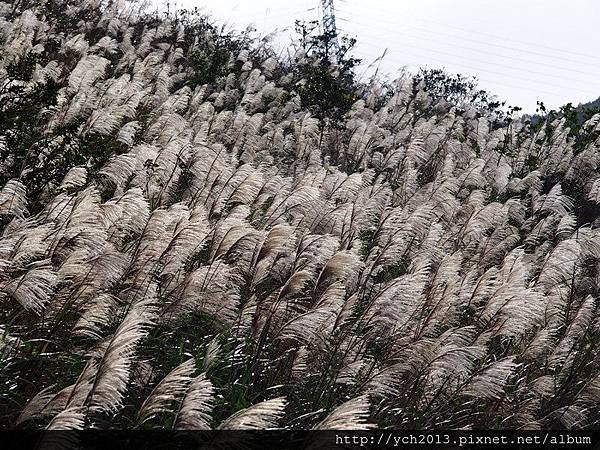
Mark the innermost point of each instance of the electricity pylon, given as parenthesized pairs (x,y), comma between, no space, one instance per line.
(328,22)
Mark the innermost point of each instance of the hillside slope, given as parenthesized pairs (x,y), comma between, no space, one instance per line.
(184,245)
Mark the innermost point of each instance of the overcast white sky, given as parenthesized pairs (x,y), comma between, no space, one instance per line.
(521,50)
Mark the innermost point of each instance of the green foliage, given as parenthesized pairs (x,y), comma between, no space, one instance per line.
(212,54)
(575,118)
(21,123)
(463,91)
(326,81)
(457,89)
(209,64)
(38,157)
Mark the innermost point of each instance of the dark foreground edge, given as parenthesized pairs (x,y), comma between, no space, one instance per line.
(381,439)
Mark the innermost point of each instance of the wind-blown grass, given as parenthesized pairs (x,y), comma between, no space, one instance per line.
(184,255)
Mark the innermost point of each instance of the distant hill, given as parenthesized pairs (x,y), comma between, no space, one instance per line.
(595,104)
(583,112)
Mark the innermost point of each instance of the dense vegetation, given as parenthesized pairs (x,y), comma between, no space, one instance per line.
(196,234)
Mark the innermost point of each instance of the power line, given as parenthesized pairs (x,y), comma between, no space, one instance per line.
(504,66)
(570,52)
(483,80)
(378,46)
(426,30)
(495,55)
(478,69)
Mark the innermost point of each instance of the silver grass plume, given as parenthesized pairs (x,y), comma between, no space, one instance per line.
(351,415)
(171,388)
(196,406)
(113,366)
(264,415)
